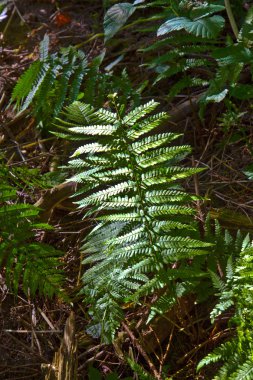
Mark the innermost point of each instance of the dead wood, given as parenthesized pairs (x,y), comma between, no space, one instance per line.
(232,219)
(185,109)
(64,365)
(53,197)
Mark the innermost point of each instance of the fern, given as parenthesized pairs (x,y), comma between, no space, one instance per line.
(35,264)
(58,79)
(236,354)
(50,82)
(143,221)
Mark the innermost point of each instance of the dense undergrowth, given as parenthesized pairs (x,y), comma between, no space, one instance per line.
(153,254)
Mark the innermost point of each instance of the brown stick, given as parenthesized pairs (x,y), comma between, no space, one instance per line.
(141,351)
(51,198)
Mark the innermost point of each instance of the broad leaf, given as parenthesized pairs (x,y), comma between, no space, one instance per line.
(116,17)
(205,10)
(205,27)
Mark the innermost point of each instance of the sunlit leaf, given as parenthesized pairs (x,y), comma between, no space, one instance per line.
(116,17)
(208,27)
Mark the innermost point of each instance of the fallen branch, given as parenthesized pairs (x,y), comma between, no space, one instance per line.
(53,197)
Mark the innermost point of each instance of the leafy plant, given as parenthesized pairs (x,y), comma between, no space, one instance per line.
(58,79)
(50,82)
(100,83)
(191,47)
(116,17)
(127,180)
(21,256)
(236,290)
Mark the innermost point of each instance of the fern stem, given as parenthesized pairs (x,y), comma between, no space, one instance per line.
(231,18)
(142,207)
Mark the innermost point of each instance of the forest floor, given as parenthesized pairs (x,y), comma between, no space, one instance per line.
(23,346)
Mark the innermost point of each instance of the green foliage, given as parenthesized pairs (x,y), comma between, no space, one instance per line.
(116,17)
(194,49)
(139,371)
(127,179)
(196,277)
(200,26)
(36,265)
(30,179)
(143,239)
(99,84)
(94,374)
(248,171)
(50,81)
(235,290)
(58,79)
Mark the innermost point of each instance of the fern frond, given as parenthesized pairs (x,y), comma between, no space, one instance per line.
(95,130)
(152,142)
(161,155)
(44,46)
(25,82)
(143,222)
(78,76)
(217,282)
(37,84)
(148,125)
(235,355)
(142,374)
(50,82)
(244,372)
(139,112)
(35,265)
(106,116)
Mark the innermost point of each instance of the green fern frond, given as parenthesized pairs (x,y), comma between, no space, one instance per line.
(217,282)
(147,125)
(217,354)
(35,265)
(50,82)
(235,355)
(36,86)
(139,112)
(25,83)
(162,155)
(44,46)
(128,185)
(244,372)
